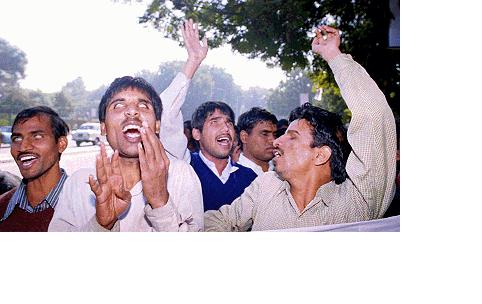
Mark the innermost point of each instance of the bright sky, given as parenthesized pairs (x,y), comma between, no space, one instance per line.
(100,40)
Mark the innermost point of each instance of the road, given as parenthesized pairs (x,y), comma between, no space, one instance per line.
(72,159)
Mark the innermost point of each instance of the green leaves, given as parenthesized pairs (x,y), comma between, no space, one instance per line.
(278,32)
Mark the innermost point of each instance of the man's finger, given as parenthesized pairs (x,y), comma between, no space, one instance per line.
(163,155)
(105,160)
(148,148)
(100,170)
(115,163)
(154,141)
(94,186)
(142,160)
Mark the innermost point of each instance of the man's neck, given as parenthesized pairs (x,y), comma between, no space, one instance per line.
(39,188)
(263,164)
(304,188)
(130,171)
(219,163)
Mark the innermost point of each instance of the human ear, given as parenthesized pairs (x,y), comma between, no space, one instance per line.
(102,129)
(158,127)
(196,134)
(322,155)
(243,136)
(62,143)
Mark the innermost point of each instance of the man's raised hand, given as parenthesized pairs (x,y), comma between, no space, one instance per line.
(328,48)
(195,50)
(111,197)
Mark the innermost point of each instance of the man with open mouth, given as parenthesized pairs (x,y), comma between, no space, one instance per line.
(311,185)
(140,187)
(39,136)
(222,180)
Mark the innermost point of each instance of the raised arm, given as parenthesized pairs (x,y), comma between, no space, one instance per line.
(371,165)
(172,128)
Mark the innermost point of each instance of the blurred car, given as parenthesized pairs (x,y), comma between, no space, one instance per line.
(87,132)
(5,133)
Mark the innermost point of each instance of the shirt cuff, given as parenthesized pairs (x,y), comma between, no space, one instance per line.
(163,218)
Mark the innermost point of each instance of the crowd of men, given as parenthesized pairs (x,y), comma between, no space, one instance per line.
(208,173)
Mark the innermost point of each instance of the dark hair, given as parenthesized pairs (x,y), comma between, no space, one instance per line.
(282,123)
(205,109)
(187,125)
(326,128)
(248,120)
(126,82)
(58,125)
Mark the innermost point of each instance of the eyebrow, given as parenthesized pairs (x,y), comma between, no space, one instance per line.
(31,132)
(123,99)
(293,131)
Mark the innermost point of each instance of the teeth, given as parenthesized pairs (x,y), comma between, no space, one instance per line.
(133,135)
(131,127)
(277,154)
(27,158)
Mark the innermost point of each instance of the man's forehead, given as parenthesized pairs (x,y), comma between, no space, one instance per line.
(218,114)
(40,122)
(300,125)
(129,91)
(265,124)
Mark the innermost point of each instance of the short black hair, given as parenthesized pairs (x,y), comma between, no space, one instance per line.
(326,128)
(282,123)
(205,109)
(187,125)
(248,120)
(126,82)
(58,125)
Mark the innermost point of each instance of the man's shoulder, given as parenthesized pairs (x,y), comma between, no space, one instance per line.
(245,171)
(82,173)
(5,198)
(178,165)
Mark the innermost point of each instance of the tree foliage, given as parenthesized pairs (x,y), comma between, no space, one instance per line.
(279,32)
(12,66)
(286,96)
(210,83)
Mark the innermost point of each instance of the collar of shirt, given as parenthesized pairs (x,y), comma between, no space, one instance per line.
(226,172)
(324,194)
(20,198)
(244,161)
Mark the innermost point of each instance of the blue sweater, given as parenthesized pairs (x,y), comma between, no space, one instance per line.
(215,193)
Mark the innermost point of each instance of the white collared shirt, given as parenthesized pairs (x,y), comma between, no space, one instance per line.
(244,161)
(226,172)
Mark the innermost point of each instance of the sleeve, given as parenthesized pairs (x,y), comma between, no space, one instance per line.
(184,209)
(172,123)
(239,215)
(371,164)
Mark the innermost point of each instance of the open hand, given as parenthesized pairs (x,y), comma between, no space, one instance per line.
(195,50)
(112,199)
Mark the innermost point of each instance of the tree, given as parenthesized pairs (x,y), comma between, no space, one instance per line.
(63,105)
(210,83)
(286,96)
(279,32)
(12,66)
(15,99)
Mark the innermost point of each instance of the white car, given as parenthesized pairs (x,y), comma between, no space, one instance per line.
(88,132)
